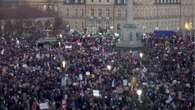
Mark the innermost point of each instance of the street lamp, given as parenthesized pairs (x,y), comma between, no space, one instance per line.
(141,55)
(139,92)
(63,64)
(60,35)
(188,26)
(109,67)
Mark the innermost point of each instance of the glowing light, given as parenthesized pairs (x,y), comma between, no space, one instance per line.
(87,73)
(63,64)
(71,30)
(59,43)
(141,55)
(93,75)
(188,26)
(60,35)
(139,92)
(178,28)
(130,51)
(156,28)
(116,34)
(109,67)
(44,7)
(111,27)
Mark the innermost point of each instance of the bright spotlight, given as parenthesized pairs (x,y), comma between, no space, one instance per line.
(63,64)
(109,67)
(60,35)
(139,92)
(141,55)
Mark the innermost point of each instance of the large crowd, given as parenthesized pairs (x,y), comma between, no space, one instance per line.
(91,73)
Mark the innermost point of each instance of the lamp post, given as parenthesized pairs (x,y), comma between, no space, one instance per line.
(139,93)
(109,67)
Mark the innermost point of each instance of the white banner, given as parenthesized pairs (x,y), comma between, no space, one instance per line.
(44,106)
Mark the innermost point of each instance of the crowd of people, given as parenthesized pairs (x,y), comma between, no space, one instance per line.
(91,73)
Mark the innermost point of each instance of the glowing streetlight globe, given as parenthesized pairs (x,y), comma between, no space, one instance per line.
(63,64)
(60,35)
(188,26)
(139,92)
(109,67)
(141,55)
(130,51)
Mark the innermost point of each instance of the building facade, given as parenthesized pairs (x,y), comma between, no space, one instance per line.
(95,14)
(148,14)
(163,14)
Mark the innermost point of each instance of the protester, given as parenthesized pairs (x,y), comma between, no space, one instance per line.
(90,73)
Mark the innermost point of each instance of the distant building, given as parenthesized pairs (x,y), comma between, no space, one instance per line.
(148,14)
(95,14)
(18,13)
(164,14)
